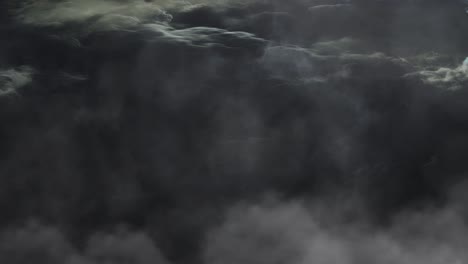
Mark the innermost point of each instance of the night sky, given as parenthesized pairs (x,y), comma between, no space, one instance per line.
(233,132)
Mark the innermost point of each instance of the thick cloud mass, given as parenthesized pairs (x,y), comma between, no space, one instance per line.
(219,132)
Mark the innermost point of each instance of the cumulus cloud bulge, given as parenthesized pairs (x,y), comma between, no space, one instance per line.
(235,131)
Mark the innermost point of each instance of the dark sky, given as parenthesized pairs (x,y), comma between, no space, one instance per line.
(229,132)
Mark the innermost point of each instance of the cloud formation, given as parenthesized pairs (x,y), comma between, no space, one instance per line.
(151,131)
(49,245)
(293,232)
(451,78)
(14,79)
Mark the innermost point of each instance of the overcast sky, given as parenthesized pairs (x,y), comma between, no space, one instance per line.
(229,132)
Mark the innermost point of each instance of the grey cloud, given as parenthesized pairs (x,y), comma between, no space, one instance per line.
(45,244)
(34,242)
(327,8)
(135,248)
(45,12)
(162,115)
(293,232)
(207,37)
(332,60)
(447,78)
(14,79)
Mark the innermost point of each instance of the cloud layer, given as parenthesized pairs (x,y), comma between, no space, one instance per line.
(151,131)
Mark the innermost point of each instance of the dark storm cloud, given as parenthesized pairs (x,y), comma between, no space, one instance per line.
(151,131)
